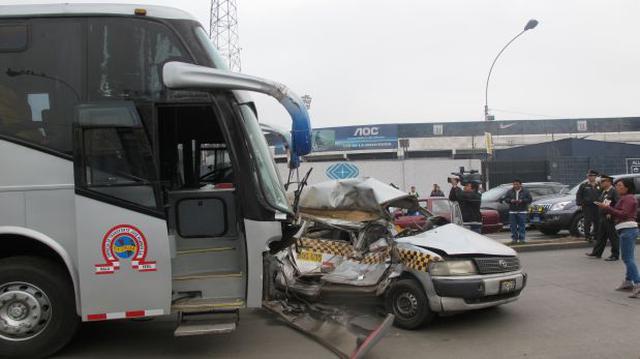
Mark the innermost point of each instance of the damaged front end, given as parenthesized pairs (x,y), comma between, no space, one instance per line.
(345,269)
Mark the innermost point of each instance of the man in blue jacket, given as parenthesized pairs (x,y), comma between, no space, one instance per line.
(518,199)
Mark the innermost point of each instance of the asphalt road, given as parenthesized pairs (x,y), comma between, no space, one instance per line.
(568,310)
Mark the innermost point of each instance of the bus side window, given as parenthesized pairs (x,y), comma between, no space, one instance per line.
(114,154)
(41,77)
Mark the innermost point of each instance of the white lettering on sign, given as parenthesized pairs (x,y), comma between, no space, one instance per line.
(367,131)
(582,125)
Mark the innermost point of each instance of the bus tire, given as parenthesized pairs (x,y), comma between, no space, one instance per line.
(37,307)
(407,301)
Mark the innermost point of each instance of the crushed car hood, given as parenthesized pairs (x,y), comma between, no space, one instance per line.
(361,194)
(455,240)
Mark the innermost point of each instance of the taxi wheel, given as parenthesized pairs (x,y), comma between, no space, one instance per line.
(37,307)
(408,302)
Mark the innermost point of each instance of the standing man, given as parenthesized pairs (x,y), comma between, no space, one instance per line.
(606,229)
(436,192)
(589,193)
(469,200)
(518,199)
(414,192)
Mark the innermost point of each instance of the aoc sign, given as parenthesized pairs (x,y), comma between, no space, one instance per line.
(355,138)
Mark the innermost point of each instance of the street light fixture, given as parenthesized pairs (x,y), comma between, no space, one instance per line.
(306,99)
(531,24)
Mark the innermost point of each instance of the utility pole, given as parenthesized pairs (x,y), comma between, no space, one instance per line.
(223,31)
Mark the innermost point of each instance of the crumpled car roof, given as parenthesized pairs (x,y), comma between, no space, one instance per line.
(356,194)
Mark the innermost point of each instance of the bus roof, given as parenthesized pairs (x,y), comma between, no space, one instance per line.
(92,10)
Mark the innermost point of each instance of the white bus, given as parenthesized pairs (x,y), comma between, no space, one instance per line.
(135,180)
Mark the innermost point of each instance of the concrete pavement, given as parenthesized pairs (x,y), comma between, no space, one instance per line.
(568,310)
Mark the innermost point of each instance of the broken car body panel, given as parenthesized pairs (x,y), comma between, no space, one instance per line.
(349,252)
(457,240)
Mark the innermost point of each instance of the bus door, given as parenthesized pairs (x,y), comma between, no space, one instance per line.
(123,248)
(197,168)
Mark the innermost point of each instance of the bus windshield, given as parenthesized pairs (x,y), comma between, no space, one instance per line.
(268,177)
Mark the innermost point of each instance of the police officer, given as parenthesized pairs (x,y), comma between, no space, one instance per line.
(607,229)
(589,193)
(469,200)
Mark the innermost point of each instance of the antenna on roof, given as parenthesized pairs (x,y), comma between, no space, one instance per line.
(223,31)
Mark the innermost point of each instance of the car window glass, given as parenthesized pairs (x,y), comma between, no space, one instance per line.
(440,206)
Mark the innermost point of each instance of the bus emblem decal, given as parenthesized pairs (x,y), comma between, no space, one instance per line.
(124,242)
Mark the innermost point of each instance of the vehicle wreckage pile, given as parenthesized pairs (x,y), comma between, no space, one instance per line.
(348,253)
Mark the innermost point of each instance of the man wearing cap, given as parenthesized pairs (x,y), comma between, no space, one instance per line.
(589,193)
(607,229)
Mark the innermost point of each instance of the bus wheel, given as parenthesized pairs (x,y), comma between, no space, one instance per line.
(407,301)
(37,307)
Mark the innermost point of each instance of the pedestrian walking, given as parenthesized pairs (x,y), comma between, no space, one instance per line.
(589,193)
(469,200)
(518,199)
(606,229)
(413,192)
(436,192)
(624,214)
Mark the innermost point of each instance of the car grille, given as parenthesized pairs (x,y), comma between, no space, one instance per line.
(490,265)
(539,208)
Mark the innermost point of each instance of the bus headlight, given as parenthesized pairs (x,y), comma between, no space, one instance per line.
(453,267)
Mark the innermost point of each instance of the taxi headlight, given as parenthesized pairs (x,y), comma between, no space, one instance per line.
(454,267)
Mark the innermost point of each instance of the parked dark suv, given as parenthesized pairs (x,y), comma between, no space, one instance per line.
(491,199)
(551,215)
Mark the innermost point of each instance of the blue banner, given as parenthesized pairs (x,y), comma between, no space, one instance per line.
(355,138)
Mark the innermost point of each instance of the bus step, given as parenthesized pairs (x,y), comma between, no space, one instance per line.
(207,275)
(186,252)
(199,305)
(211,284)
(206,323)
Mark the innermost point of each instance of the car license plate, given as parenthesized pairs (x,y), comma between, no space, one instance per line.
(507,286)
(536,219)
(310,256)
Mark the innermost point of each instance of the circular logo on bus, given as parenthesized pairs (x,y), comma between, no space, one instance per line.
(124,247)
(124,242)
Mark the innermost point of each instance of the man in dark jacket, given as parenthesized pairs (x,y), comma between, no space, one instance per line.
(518,199)
(469,200)
(589,193)
(606,229)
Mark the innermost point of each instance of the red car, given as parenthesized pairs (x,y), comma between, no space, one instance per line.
(441,206)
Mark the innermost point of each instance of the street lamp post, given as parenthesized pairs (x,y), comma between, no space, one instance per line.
(531,24)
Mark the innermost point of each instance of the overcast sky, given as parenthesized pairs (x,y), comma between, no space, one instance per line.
(372,61)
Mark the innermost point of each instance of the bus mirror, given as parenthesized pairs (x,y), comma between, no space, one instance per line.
(179,75)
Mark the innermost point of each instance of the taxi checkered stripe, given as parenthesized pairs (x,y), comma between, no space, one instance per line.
(375,258)
(415,260)
(341,249)
(326,247)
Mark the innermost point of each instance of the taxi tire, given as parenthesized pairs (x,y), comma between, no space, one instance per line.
(53,280)
(423,313)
